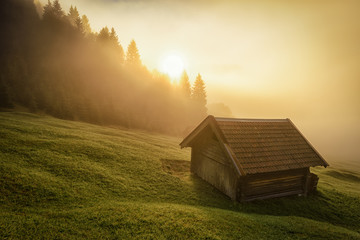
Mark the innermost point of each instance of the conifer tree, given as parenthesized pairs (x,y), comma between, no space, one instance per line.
(104,35)
(78,24)
(132,55)
(48,10)
(53,10)
(199,98)
(57,10)
(71,14)
(86,25)
(199,93)
(185,86)
(74,16)
(114,37)
(117,46)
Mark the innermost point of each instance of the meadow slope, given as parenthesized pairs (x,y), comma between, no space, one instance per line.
(69,180)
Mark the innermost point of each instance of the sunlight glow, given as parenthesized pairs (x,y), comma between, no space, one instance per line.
(172,65)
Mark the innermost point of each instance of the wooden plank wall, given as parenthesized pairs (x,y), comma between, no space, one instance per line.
(211,164)
(262,186)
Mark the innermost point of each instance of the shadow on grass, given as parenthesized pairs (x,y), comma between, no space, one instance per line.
(325,205)
(344,176)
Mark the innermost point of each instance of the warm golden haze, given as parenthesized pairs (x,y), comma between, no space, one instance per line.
(91,121)
(263,59)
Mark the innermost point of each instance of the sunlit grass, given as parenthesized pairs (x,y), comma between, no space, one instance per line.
(69,180)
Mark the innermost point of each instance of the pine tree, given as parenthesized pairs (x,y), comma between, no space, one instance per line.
(48,10)
(199,98)
(104,35)
(113,37)
(57,10)
(114,40)
(132,55)
(78,24)
(185,86)
(53,10)
(71,14)
(86,25)
(199,93)
(74,16)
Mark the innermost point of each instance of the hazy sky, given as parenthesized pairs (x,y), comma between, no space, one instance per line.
(264,59)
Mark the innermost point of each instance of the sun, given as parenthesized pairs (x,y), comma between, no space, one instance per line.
(172,65)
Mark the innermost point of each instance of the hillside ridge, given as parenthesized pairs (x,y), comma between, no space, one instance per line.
(70,180)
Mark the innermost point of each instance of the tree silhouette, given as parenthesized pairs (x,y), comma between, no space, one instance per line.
(114,41)
(53,11)
(73,15)
(199,93)
(199,98)
(104,35)
(185,86)
(48,10)
(78,24)
(113,37)
(86,25)
(57,10)
(132,55)
(74,18)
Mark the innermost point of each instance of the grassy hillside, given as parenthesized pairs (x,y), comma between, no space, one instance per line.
(69,180)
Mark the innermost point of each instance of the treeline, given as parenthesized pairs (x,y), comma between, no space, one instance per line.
(54,63)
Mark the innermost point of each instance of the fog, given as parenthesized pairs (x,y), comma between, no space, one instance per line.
(297,60)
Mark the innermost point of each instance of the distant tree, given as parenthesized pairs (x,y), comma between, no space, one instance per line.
(48,10)
(132,55)
(185,86)
(4,95)
(78,24)
(199,93)
(74,17)
(53,10)
(199,99)
(113,37)
(71,15)
(57,10)
(114,40)
(104,35)
(86,25)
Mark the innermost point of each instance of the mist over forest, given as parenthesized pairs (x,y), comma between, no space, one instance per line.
(267,60)
(53,62)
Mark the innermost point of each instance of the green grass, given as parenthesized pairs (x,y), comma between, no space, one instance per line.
(69,180)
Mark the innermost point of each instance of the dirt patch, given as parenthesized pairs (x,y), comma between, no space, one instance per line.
(179,168)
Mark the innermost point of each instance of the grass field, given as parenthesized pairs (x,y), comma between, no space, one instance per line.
(69,180)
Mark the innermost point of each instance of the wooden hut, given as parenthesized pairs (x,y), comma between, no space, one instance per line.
(250,159)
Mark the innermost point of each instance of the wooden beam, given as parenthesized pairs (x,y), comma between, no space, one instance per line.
(283,194)
(307,182)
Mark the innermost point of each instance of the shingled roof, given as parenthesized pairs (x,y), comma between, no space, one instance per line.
(260,145)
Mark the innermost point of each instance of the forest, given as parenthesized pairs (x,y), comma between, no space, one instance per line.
(52,62)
